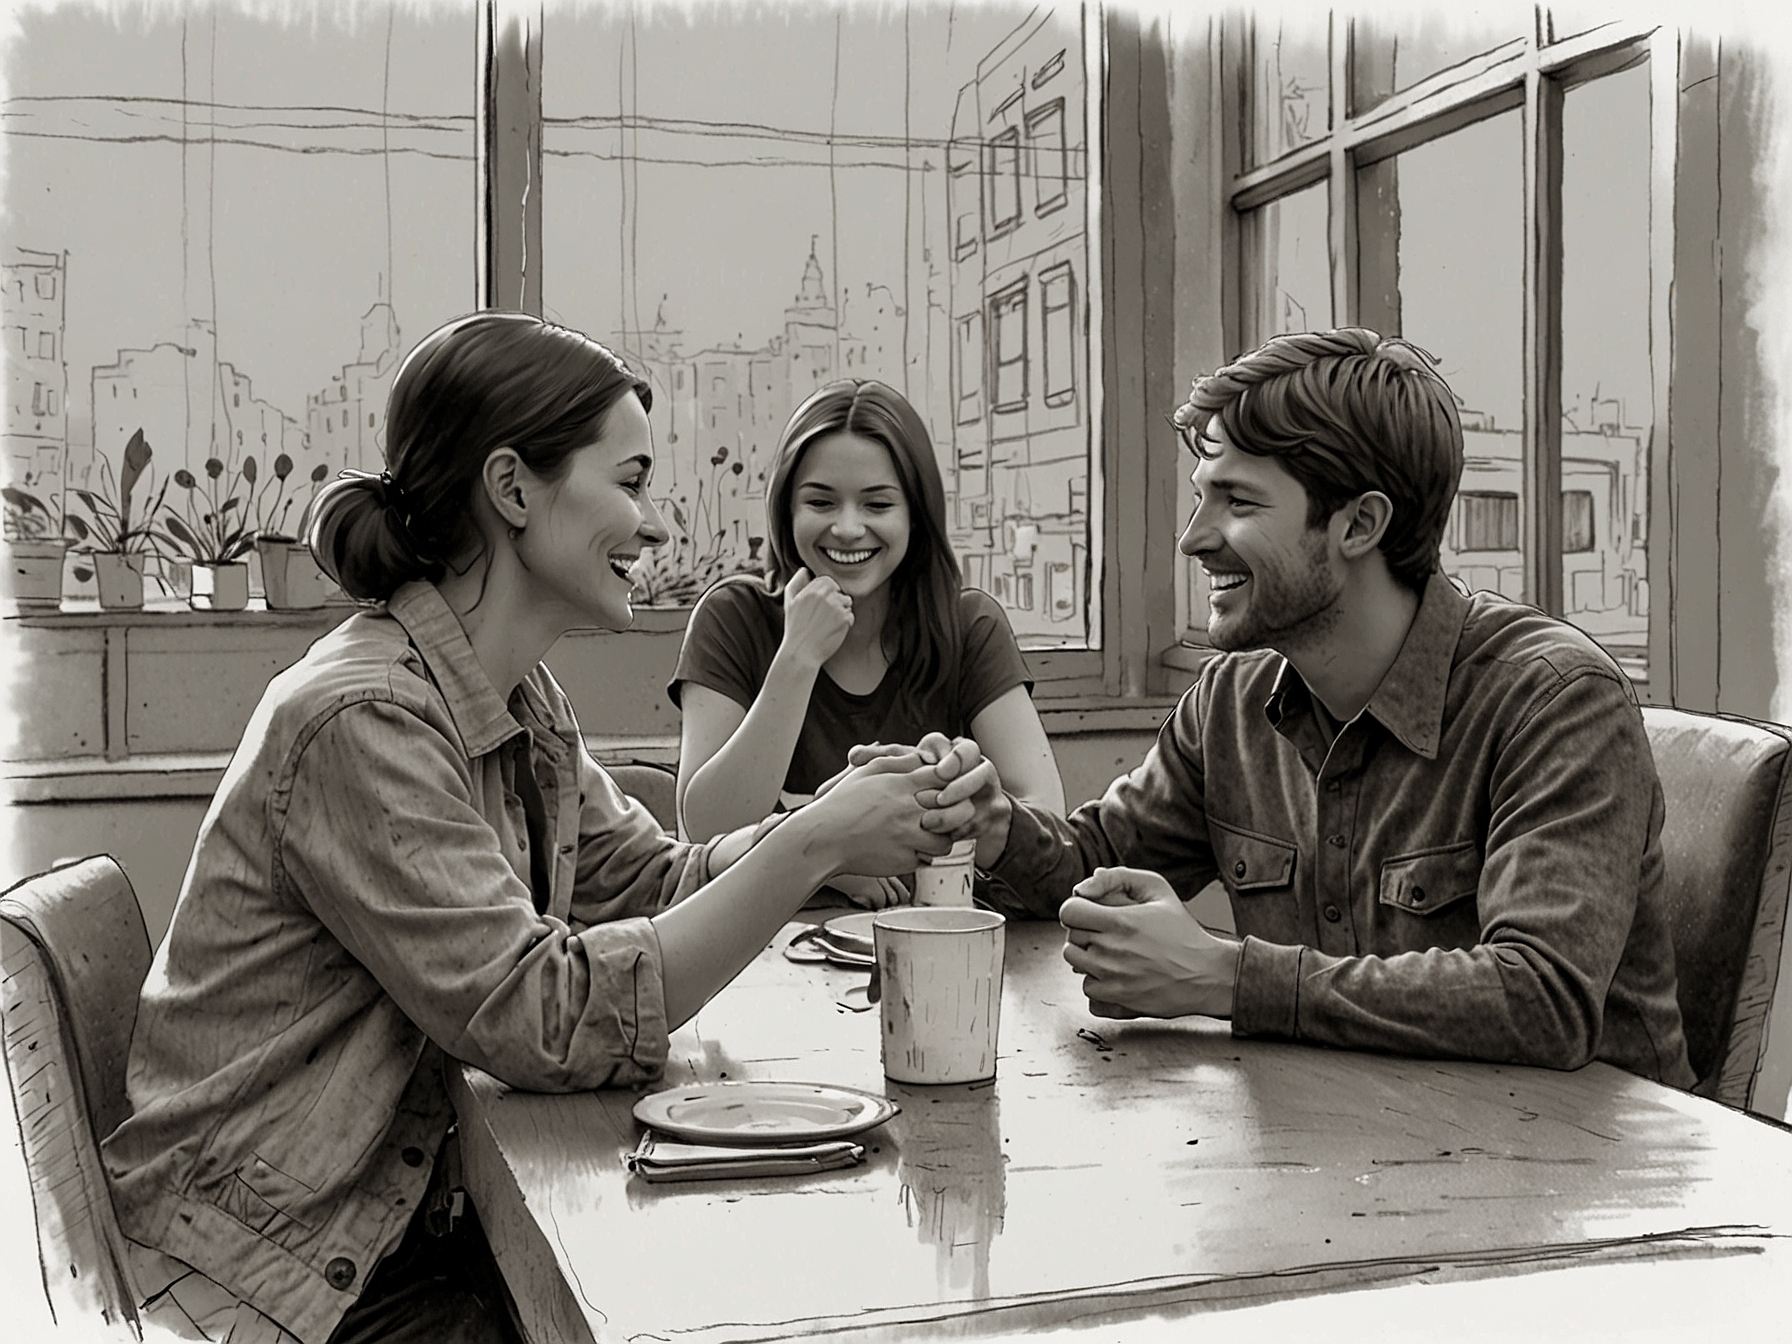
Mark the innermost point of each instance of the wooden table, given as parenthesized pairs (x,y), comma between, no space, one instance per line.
(1113,1172)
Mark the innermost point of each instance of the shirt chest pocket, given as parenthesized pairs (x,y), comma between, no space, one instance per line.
(1250,863)
(1432,880)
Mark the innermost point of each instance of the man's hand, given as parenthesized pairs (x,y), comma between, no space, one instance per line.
(970,803)
(1139,951)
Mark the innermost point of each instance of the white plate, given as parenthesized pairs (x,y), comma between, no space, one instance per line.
(751,1112)
(813,944)
(851,933)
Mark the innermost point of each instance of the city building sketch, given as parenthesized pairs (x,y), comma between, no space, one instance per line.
(922,222)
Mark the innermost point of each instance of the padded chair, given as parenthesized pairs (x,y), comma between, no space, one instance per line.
(1727,846)
(73,954)
(654,785)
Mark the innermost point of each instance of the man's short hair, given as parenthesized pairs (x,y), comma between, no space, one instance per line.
(1345,411)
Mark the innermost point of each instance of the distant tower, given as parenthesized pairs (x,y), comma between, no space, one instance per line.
(811,330)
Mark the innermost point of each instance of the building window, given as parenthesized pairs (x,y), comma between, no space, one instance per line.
(1430,187)
(46,285)
(1001,182)
(1577,521)
(1486,521)
(961,189)
(1008,353)
(1057,317)
(1045,138)
(967,367)
(46,344)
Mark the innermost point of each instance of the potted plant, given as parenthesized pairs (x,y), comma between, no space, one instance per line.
(35,547)
(290,578)
(116,546)
(214,531)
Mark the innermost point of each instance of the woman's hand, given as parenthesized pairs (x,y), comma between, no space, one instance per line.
(872,893)
(817,616)
(871,820)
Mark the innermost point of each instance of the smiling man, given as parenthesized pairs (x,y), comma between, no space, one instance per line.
(1435,814)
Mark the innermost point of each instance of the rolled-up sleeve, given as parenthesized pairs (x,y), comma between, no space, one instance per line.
(379,836)
(1153,818)
(627,864)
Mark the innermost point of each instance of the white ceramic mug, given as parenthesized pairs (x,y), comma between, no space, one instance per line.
(947,879)
(940,980)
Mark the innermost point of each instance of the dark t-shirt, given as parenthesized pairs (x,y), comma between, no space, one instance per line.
(737,626)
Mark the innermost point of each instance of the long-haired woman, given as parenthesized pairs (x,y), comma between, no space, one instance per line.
(861,631)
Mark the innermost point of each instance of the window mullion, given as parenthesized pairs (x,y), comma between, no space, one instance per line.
(508,156)
(1542,341)
(1341,202)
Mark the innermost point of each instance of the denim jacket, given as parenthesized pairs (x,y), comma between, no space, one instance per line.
(397,870)
(1472,868)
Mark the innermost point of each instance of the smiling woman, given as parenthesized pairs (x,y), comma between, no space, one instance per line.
(862,631)
(413,859)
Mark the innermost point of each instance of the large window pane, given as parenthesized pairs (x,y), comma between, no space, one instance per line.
(1287,266)
(1607,392)
(1290,84)
(244,221)
(893,194)
(1459,206)
(1399,47)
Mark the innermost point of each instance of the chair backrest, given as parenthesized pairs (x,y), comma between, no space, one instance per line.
(73,955)
(654,785)
(1727,848)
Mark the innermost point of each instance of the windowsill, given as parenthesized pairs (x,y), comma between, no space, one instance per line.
(195,775)
(85,614)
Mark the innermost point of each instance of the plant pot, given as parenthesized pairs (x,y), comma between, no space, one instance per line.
(290,577)
(222,587)
(34,569)
(120,580)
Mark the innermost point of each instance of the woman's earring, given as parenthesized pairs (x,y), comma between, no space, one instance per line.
(515,532)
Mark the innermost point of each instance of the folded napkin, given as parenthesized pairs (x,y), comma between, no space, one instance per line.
(657,1158)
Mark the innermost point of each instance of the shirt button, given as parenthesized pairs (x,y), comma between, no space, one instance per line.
(339,1273)
(1418,895)
(1333,914)
(413,1157)
(1336,841)
(1238,869)
(1331,786)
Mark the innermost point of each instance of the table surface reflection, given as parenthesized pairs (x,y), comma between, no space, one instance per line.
(1111,1171)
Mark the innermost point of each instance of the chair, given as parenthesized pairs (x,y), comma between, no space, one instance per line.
(73,955)
(654,785)
(1727,847)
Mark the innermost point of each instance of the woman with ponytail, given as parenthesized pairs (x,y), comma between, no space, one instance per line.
(862,632)
(412,860)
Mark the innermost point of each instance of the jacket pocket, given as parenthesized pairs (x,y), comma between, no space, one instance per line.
(1249,862)
(1431,880)
(261,1194)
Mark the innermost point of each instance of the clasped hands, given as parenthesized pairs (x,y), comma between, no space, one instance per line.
(1126,932)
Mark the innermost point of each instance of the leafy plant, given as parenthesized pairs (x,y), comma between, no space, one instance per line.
(213,527)
(28,518)
(270,515)
(108,528)
(670,576)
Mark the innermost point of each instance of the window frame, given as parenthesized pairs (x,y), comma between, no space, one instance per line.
(1529,73)
(1126,312)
